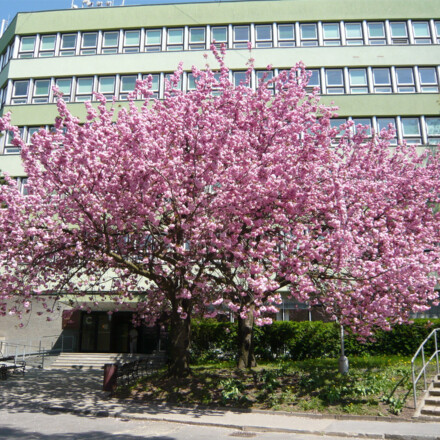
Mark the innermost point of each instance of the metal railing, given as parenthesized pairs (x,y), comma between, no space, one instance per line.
(421,349)
(44,346)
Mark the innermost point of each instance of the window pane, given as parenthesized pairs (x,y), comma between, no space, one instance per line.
(358,77)
(405,76)
(42,87)
(21,88)
(110,39)
(155,82)
(334,77)
(68,42)
(376,30)
(314,79)
(364,122)
(286,31)
(383,123)
(128,83)
(353,30)
(437,28)
(241,33)
(175,36)
(132,38)
(381,76)
(308,31)
(64,85)
(27,44)
(191,81)
(264,32)
(219,34)
(48,42)
(421,29)
(398,29)
(433,126)
(197,35)
(428,75)
(336,123)
(239,77)
(154,37)
(89,40)
(85,85)
(410,126)
(107,84)
(331,30)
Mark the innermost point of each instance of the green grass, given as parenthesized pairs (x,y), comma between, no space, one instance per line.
(374,386)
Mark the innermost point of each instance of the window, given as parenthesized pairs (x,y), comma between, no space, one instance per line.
(309,35)
(41,91)
(20,92)
(89,42)
(433,130)
(27,46)
(337,123)
(411,130)
(127,85)
(153,40)
(421,32)
(314,80)
(131,41)
(331,34)
(385,124)
(155,85)
(382,80)
(110,42)
(219,35)
(361,124)
(399,33)
(376,33)
(266,76)
(405,80)
(358,80)
(263,35)
(175,39)
(47,46)
(84,89)
(178,86)
(106,86)
(68,45)
(65,87)
(10,148)
(191,82)
(428,79)
(30,132)
(286,35)
(24,186)
(437,31)
(353,34)
(334,81)
(241,36)
(197,38)
(239,78)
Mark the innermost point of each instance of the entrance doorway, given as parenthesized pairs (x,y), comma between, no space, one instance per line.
(104,333)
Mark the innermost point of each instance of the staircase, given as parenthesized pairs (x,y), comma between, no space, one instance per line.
(431,404)
(95,361)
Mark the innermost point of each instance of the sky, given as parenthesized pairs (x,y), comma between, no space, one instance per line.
(9,8)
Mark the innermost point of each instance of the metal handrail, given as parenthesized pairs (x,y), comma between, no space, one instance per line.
(425,364)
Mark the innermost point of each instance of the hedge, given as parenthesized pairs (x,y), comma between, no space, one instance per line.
(213,340)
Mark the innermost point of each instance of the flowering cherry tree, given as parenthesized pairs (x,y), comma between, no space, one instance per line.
(216,199)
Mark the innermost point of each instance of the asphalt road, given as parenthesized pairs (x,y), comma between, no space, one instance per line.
(60,426)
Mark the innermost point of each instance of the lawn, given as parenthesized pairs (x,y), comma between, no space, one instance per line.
(375,386)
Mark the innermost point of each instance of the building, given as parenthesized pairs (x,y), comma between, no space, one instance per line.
(377,61)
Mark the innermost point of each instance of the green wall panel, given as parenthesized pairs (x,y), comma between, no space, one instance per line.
(11,165)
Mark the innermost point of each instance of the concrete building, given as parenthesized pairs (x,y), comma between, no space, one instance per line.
(378,61)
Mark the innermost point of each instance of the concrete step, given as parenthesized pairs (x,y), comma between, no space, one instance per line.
(433,411)
(432,401)
(434,392)
(97,360)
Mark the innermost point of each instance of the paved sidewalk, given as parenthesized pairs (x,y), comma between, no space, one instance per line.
(81,392)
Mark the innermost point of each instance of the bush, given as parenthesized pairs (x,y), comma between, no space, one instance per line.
(217,341)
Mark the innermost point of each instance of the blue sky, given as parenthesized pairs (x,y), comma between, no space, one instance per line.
(9,8)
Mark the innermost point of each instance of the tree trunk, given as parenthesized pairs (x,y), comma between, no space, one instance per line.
(180,331)
(246,356)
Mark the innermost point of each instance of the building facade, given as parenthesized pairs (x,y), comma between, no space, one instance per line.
(377,61)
